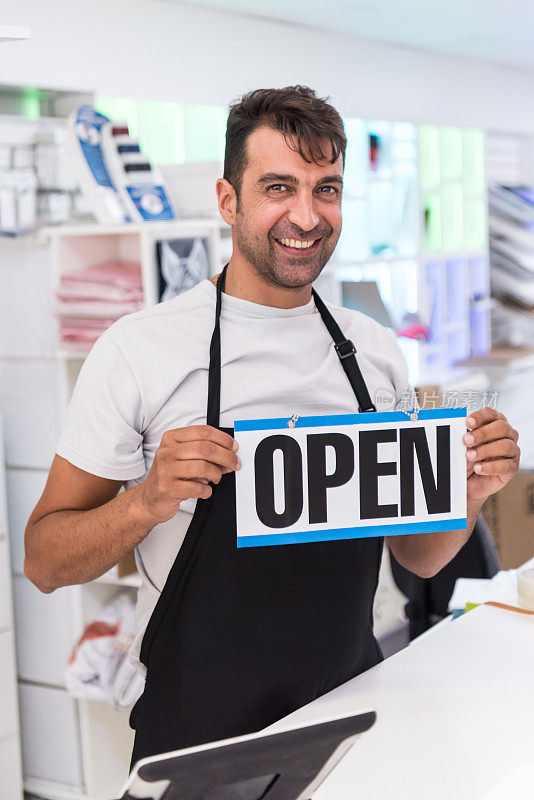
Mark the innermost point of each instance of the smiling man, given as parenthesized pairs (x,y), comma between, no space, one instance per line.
(233,639)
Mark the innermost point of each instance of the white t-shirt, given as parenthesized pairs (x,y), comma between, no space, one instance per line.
(148,373)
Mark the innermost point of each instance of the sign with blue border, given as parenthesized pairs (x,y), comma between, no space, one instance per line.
(347,476)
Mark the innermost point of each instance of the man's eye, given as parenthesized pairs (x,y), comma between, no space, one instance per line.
(277,187)
(329,190)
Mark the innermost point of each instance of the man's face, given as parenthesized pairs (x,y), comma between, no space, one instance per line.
(288,218)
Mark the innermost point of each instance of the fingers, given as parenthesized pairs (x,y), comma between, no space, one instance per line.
(503,467)
(483,416)
(202,442)
(501,448)
(207,451)
(202,433)
(490,431)
(194,489)
(195,470)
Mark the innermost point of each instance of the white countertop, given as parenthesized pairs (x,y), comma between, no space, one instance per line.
(455,716)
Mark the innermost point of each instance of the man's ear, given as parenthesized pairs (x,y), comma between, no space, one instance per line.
(227,200)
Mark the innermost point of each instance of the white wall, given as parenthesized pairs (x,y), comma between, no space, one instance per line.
(149,49)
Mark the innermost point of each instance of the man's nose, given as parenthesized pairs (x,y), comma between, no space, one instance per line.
(303,213)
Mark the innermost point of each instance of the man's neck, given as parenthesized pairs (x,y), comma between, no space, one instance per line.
(243,281)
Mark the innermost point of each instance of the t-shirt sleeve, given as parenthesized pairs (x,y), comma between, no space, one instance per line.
(102,430)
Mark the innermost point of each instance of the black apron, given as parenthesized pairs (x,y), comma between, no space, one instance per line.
(242,637)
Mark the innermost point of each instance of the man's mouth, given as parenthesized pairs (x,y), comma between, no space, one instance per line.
(298,246)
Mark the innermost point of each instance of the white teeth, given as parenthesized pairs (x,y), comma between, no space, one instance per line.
(298,243)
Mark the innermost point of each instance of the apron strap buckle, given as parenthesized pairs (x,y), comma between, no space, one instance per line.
(345,348)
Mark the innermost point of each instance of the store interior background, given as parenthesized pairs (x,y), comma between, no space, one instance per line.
(450,84)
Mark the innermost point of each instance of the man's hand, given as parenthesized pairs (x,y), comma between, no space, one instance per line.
(186,462)
(492,453)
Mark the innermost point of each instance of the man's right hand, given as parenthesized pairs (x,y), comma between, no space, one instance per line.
(81,527)
(186,462)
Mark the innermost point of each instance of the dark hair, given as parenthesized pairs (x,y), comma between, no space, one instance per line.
(305,120)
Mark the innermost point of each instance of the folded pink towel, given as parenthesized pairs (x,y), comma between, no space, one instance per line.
(89,300)
(117,273)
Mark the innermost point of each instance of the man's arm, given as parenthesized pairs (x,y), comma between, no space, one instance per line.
(492,460)
(80,528)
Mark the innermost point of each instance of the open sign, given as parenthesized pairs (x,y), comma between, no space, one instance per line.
(350,475)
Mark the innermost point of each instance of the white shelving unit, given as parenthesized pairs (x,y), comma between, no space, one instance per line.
(10,758)
(72,749)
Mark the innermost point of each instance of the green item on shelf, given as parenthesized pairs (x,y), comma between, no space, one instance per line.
(452,219)
(451,154)
(31,102)
(432,216)
(429,150)
(475,235)
(473,149)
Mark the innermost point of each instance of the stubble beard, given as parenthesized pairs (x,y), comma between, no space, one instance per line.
(263,253)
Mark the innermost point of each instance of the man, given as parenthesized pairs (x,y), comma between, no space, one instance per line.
(233,639)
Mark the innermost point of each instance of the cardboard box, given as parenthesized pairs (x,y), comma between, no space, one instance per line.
(510,516)
(126,566)
(429,395)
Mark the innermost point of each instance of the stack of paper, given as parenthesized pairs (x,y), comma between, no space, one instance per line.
(89,300)
(512,242)
(515,202)
(501,588)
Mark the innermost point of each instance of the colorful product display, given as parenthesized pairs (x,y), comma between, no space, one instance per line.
(119,182)
(454,240)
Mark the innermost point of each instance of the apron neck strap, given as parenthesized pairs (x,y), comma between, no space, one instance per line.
(214,377)
(344,348)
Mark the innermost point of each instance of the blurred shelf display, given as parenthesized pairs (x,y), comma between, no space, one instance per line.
(414,221)
(380,174)
(454,243)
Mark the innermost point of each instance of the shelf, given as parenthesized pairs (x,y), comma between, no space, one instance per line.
(11,33)
(97,229)
(453,255)
(72,355)
(15,233)
(132,581)
(359,262)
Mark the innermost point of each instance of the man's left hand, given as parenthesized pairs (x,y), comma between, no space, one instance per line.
(492,453)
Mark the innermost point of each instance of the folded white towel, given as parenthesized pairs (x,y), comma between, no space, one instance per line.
(99,668)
